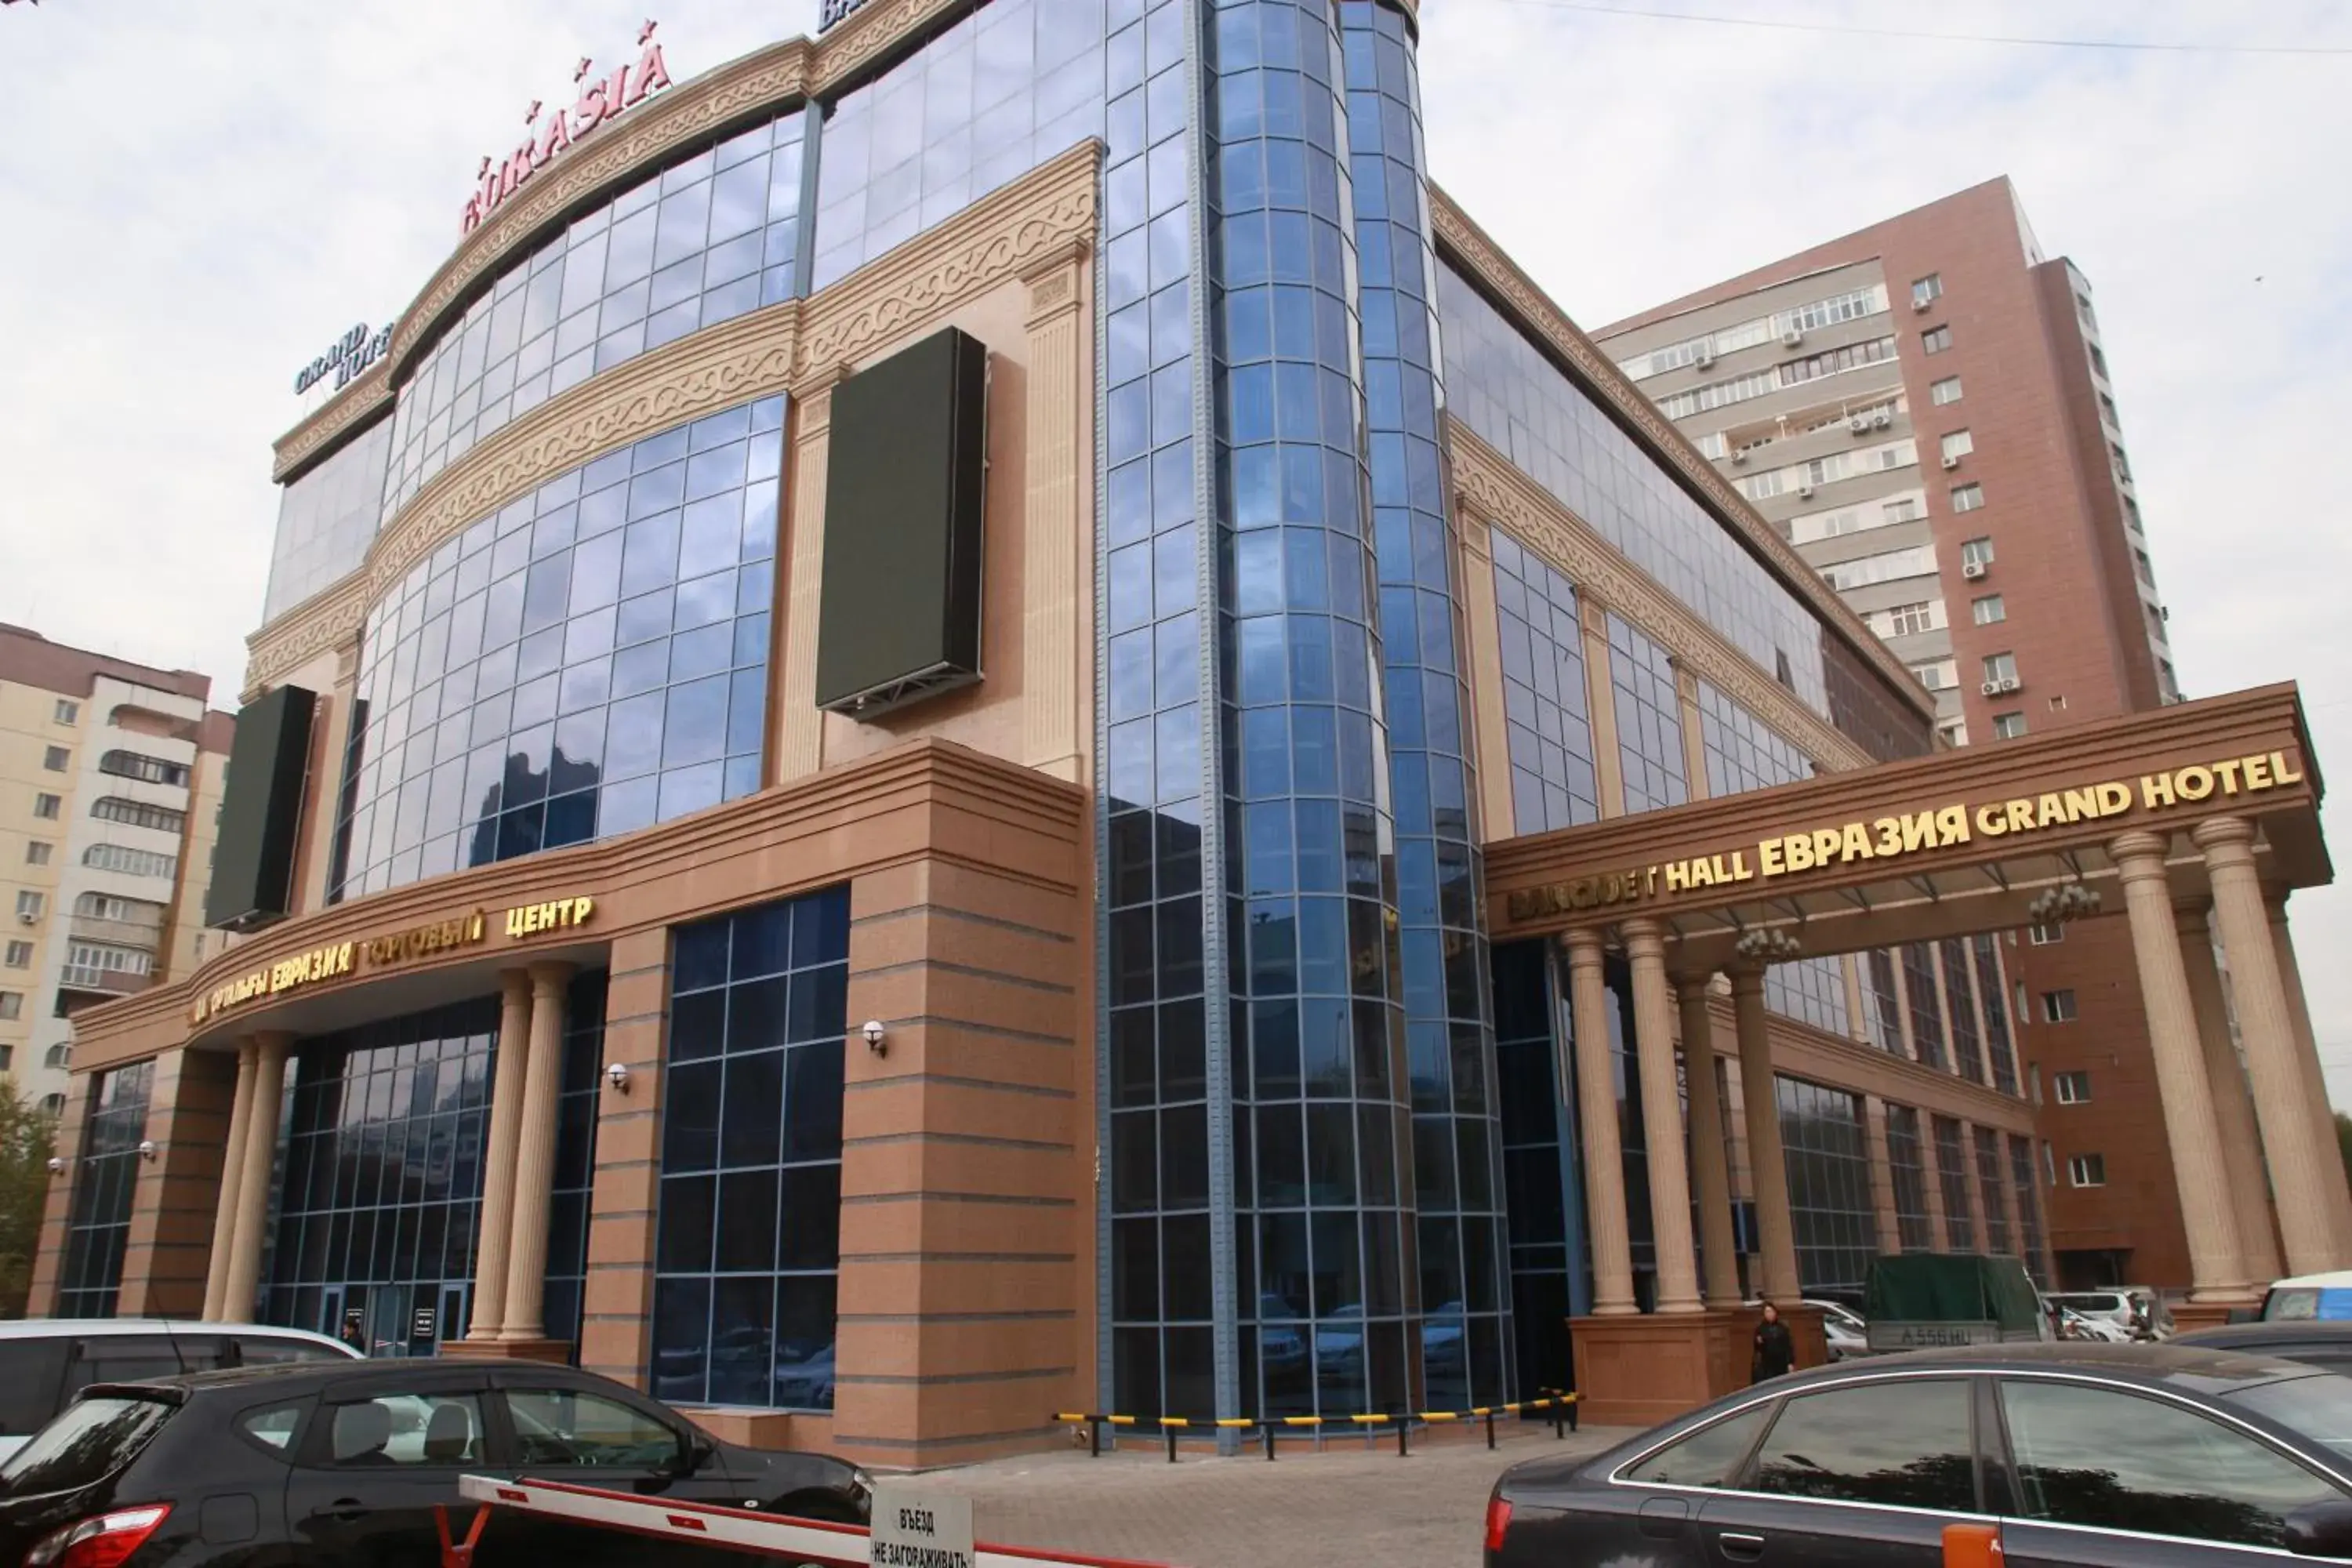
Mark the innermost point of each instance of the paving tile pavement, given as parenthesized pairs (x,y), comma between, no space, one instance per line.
(1346,1505)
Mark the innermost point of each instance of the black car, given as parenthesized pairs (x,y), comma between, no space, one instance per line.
(2325,1345)
(2076,1454)
(344,1463)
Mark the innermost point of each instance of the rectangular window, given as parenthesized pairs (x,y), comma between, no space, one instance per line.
(2071,1087)
(37,852)
(1990,1192)
(56,758)
(1924,290)
(2042,936)
(1945,391)
(1907,1166)
(2008,726)
(1936,674)
(19,955)
(12,1007)
(1966,498)
(2058,1007)
(1907,620)
(1977,551)
(1955,734)
(1998,667)
(67,713)
(1829,1206)
(1553,781)
(2087,1170)
(1952,1176)
(45,807)
(1902,509)
(28,905)
(1957,444)
(1987,610)
(2098,360)
(2049,1164)
(1936,340)
(1888,566)
(98,1227)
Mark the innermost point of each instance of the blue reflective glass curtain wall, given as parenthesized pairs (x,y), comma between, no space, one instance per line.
(749,1239)
(1317,860)
(99,1227)
(1829,1206)
(1543,655)
(1545,1193)
(575,1158)
(590,659)
(1448,1034)
(1906,1164)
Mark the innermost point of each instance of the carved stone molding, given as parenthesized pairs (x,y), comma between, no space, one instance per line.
(648,135)
(797,344)
(1466,243)
(1489,486)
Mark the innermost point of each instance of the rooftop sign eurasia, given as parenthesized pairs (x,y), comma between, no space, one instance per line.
(601,97)
(833,11)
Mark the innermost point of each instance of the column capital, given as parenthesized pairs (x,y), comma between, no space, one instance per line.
(548,979)
(1583,945)
(2226,840)
(1697,979)
(1644,937)
(2189,915)
(267,1043)
(514,984)
(1747,977)
(2274,898)
(2139,855)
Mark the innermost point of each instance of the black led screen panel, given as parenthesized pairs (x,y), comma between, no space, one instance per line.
(900,616)
(261,811)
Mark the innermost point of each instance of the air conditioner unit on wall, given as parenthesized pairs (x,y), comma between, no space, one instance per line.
(1884,419)
(1922,304)
(1791,338)
(1951,461)
(1805,492)
(1991,688)
(1739,454)
(2006,683)
(1703,359)
(1859,424)
(1973,570)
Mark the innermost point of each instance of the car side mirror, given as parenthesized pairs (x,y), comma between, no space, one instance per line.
(699,1451)
(2322,1529)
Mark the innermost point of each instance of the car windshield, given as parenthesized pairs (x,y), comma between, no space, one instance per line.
(2318,1407)
(89,1440)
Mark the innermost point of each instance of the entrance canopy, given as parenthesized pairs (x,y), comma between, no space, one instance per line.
(1947,845)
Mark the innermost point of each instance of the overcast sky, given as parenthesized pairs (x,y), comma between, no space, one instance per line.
(195,200)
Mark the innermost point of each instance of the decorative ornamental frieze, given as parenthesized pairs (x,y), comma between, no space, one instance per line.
(997,239)
(1491,490)
(1466,243)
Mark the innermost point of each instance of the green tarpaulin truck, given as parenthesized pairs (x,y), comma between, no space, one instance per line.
(1920,1301)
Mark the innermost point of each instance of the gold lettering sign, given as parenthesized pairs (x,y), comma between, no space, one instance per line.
(556,914)
(425,941)
(1909,833)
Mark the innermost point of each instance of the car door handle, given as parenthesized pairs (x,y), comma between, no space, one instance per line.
(345,1508)
(1740,1545)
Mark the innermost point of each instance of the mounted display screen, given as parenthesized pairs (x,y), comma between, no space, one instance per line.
(261,811)
(906,459)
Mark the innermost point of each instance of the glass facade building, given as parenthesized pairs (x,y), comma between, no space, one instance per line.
(99,1225)
(1829,1183)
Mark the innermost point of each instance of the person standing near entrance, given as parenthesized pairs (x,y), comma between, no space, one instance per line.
(1776,1350)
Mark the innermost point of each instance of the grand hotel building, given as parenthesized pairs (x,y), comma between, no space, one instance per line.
(982,716)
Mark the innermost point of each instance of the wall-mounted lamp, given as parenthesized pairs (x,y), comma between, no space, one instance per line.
(146,1148)
(617,1075)
(56,1165)
(877,1038)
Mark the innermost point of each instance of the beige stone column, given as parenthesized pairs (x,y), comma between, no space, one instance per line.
(243,1282)
(542,1089)
(1857,1026)
(2307,1173)
(1661,1119)
(1694,725)
(2233,1107)
(1606,1228)
(1600,702)
(232,1184)
(2323,1113)
(1050,652)
(1944,1009)
(498,1153)
(797,741)
(1710,1165)
(1882,1176)
(2190,1131)
(1767,1167)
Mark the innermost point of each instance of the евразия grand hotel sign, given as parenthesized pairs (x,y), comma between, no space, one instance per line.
(1781,855)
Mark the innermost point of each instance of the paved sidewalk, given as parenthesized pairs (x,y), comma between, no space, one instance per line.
(1342,1506)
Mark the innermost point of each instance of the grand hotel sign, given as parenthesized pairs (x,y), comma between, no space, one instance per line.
(1775,859)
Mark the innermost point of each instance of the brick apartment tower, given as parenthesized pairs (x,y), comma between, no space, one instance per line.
(1924,407)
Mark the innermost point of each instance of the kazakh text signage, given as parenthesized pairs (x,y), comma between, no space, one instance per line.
(337,960)
(1783,855)
(600,100)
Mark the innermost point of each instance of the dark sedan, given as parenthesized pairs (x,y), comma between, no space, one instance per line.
(2071,1453)
(346,1463)
(2325,1345)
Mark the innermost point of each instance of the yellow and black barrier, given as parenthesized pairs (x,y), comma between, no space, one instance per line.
(1558,1406)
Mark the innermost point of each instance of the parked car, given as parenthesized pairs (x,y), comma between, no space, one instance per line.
(2077,1456)
(1842,1326)
(341,1464)
(45,1362)
(2072,1325)
(2139,1312)
(2323,1298)
(2323,1344)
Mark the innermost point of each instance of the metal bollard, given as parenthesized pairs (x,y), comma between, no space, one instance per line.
(1571,1414)
(1490,1426)
(1171,1443)
(1559,1415)
(1094,1436)
(1267,1427)
(1404,1427)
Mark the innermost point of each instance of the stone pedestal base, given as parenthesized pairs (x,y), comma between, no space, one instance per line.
(1805,1327)
(558,1352)
(1640,1370)
(745,1428)
(2187,1315)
